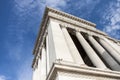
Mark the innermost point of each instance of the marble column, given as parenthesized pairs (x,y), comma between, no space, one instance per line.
(110,50)
(43,64)
(35,76)
(75,54)
(104,54)
(90,52)
(47,55)
(37,68)
(38,75)
(112,44)
(37,71)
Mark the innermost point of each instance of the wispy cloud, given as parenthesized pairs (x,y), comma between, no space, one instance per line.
(24,23)
(54,3)
(83,8)
(2,77)
(111,17)
(25,71)
(20,25)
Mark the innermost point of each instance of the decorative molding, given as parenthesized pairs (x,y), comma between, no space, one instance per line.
(65,20)
(93,73)
(46,18)
(70,16)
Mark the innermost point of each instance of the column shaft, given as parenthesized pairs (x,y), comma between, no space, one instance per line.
(90,52)
(75,54)
(43,64)
(34,76)
(104,54)
(47,54)
(37,71)
(115,46)
(110,50)
(37,68)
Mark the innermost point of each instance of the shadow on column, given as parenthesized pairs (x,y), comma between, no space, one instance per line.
(81,51)
(108,59)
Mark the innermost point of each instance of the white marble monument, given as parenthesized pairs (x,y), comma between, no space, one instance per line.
(71,48)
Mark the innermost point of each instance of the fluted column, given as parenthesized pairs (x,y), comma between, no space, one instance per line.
(110,49)
(90,52)
(104,54)
(75,54)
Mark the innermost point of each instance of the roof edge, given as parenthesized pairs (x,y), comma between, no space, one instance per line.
(70,16)
(47,9)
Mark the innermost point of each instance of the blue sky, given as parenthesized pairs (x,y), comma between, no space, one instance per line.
(19,25)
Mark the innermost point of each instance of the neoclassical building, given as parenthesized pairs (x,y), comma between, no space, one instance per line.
(71,48)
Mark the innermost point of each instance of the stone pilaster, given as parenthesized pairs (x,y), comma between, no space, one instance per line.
(58,49)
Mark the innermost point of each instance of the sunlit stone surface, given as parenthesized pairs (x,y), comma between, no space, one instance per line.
(70,48)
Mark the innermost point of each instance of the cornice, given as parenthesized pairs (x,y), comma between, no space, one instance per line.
(42,28)
(63,14)
(91,26)
(70,16)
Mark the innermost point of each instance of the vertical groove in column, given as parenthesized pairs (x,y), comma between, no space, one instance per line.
(90,52)
(104,54)
(110,50)
(73,50)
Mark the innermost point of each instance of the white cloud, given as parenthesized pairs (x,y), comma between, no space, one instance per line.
(55,3)
(28,9)
(14,49)
(25,71)
(23,14)
(81,8)
(87,5)
(112,15)
(2,77)
(21,23)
